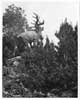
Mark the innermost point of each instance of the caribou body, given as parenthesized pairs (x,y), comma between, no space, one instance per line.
(30,36)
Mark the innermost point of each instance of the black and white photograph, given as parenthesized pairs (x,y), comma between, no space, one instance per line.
(40,49)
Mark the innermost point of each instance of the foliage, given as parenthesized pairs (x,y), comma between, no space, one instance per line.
(67,54)
(14,20)
(42,70)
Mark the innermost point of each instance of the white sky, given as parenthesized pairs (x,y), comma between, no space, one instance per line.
(53,13)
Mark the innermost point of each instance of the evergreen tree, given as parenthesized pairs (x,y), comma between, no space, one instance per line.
(67,54)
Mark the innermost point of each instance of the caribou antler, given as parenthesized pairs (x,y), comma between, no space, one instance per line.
(37,21)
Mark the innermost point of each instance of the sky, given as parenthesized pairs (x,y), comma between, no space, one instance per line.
(53,13)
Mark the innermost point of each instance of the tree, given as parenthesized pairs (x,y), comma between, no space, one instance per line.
(67,54)
(14,20)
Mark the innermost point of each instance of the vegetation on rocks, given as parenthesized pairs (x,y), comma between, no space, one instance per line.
(34,69)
